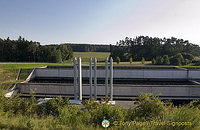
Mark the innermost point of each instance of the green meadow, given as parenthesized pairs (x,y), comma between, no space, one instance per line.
(85,56)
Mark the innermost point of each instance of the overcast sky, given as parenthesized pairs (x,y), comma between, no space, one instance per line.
(99,21)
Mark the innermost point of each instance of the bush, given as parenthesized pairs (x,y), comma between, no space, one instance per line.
(74,116)
(91,104)
(196,62)
(187,61)
(147,107)
(131,60)
(159,60)
(143,60)
(107,112)
(177,60)
(166,60)
(187,114)
(180,57)
(188,56)
(20,106)
(101,110)
(54,105)
(118,60)
(153,61)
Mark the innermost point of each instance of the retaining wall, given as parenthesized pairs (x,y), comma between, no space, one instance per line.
(120,73)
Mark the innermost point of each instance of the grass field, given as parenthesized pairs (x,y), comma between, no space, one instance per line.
(85,56)
(101,56)
(27,65)
(136,63)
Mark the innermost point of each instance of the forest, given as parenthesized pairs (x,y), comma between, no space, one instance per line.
(89,47)
(152,48)
(22,50)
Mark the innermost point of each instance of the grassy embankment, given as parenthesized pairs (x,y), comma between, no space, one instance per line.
(8,72)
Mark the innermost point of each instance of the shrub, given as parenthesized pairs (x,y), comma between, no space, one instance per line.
(153,61)
(118,60)
(180,57)
(143,60)
(188,56)
(196,62)
(74,116)
(159,60)
(20,106)
(166,60)
(102,110)
(147,107)
(107,112)
(187,61)
(131,60)
(91,104)
(187,114)
(177,60)
(54,105)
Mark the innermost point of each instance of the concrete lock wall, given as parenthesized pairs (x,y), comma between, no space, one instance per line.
(118,91)
(43,88)
(120,73)
(194,74)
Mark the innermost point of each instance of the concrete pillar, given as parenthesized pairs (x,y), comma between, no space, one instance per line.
(18,75)
(106,78)
(95,78)
(187,74)
(111,79)
(75,77)
(90,78)
(79,78)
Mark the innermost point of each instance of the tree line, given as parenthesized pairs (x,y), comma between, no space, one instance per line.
(89,47)
(22,50)
(179,59)
(153,48)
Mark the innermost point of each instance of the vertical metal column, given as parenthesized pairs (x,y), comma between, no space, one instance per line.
(111,79)
(106,78)
(95,78)
(90,78)
(75,78)
(79,78)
